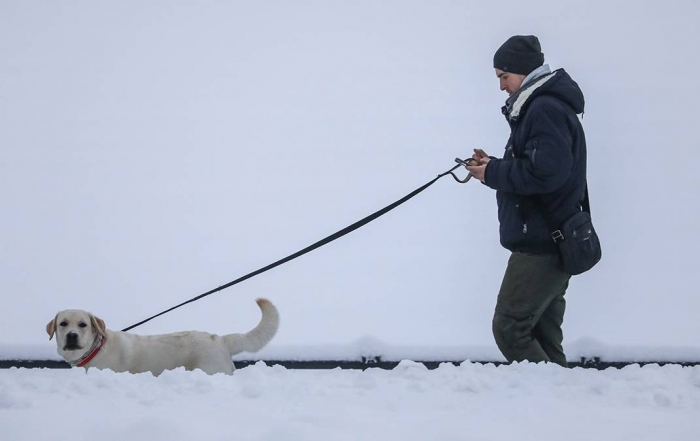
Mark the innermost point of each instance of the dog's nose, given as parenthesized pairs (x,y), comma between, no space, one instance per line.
(72,337)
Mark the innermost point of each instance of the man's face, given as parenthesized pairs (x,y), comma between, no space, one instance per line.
(509,82)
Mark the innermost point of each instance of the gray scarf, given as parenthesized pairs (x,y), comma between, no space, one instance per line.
(528,82)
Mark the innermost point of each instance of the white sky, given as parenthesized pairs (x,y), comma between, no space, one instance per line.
(153,151)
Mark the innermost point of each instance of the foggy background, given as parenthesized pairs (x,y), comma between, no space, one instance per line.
(151,151)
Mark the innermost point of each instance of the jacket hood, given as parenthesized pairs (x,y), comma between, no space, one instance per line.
(557,84)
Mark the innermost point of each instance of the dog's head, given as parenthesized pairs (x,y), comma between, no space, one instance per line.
(75,332)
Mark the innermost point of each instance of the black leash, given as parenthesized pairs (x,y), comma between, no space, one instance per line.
(321,242)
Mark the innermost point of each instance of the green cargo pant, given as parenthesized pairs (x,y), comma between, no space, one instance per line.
(530,309)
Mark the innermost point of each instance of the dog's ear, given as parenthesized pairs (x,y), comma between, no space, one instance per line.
(99,325)
(51,327)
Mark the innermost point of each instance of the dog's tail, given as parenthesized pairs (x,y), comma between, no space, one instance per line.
(258,337)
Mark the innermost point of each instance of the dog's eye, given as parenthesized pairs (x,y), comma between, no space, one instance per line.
(64,323)
(82,325)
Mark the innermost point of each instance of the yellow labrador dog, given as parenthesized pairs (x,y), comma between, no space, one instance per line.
(83,340)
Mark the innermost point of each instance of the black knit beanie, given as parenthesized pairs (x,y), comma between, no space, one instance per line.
(520,54)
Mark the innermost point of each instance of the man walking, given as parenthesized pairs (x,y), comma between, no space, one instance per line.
(540,182)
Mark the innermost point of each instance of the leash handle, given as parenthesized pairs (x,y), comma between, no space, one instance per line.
(465,163)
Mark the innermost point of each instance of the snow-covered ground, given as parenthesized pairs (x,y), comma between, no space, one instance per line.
(470,402)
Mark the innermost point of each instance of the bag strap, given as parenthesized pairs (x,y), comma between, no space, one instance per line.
(586,205)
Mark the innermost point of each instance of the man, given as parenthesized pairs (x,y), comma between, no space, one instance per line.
(540,182)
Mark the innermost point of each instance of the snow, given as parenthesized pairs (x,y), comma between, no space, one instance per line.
(482,402)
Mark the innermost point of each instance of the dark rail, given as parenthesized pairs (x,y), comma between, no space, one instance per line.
(364,363)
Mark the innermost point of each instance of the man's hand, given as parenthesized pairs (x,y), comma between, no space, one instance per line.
(479,154)
(478,170)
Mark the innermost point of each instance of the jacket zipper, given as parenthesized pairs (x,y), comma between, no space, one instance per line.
(510,150)
(534,154)
(520,208)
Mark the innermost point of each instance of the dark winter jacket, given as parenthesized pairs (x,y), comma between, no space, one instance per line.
(541,179)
